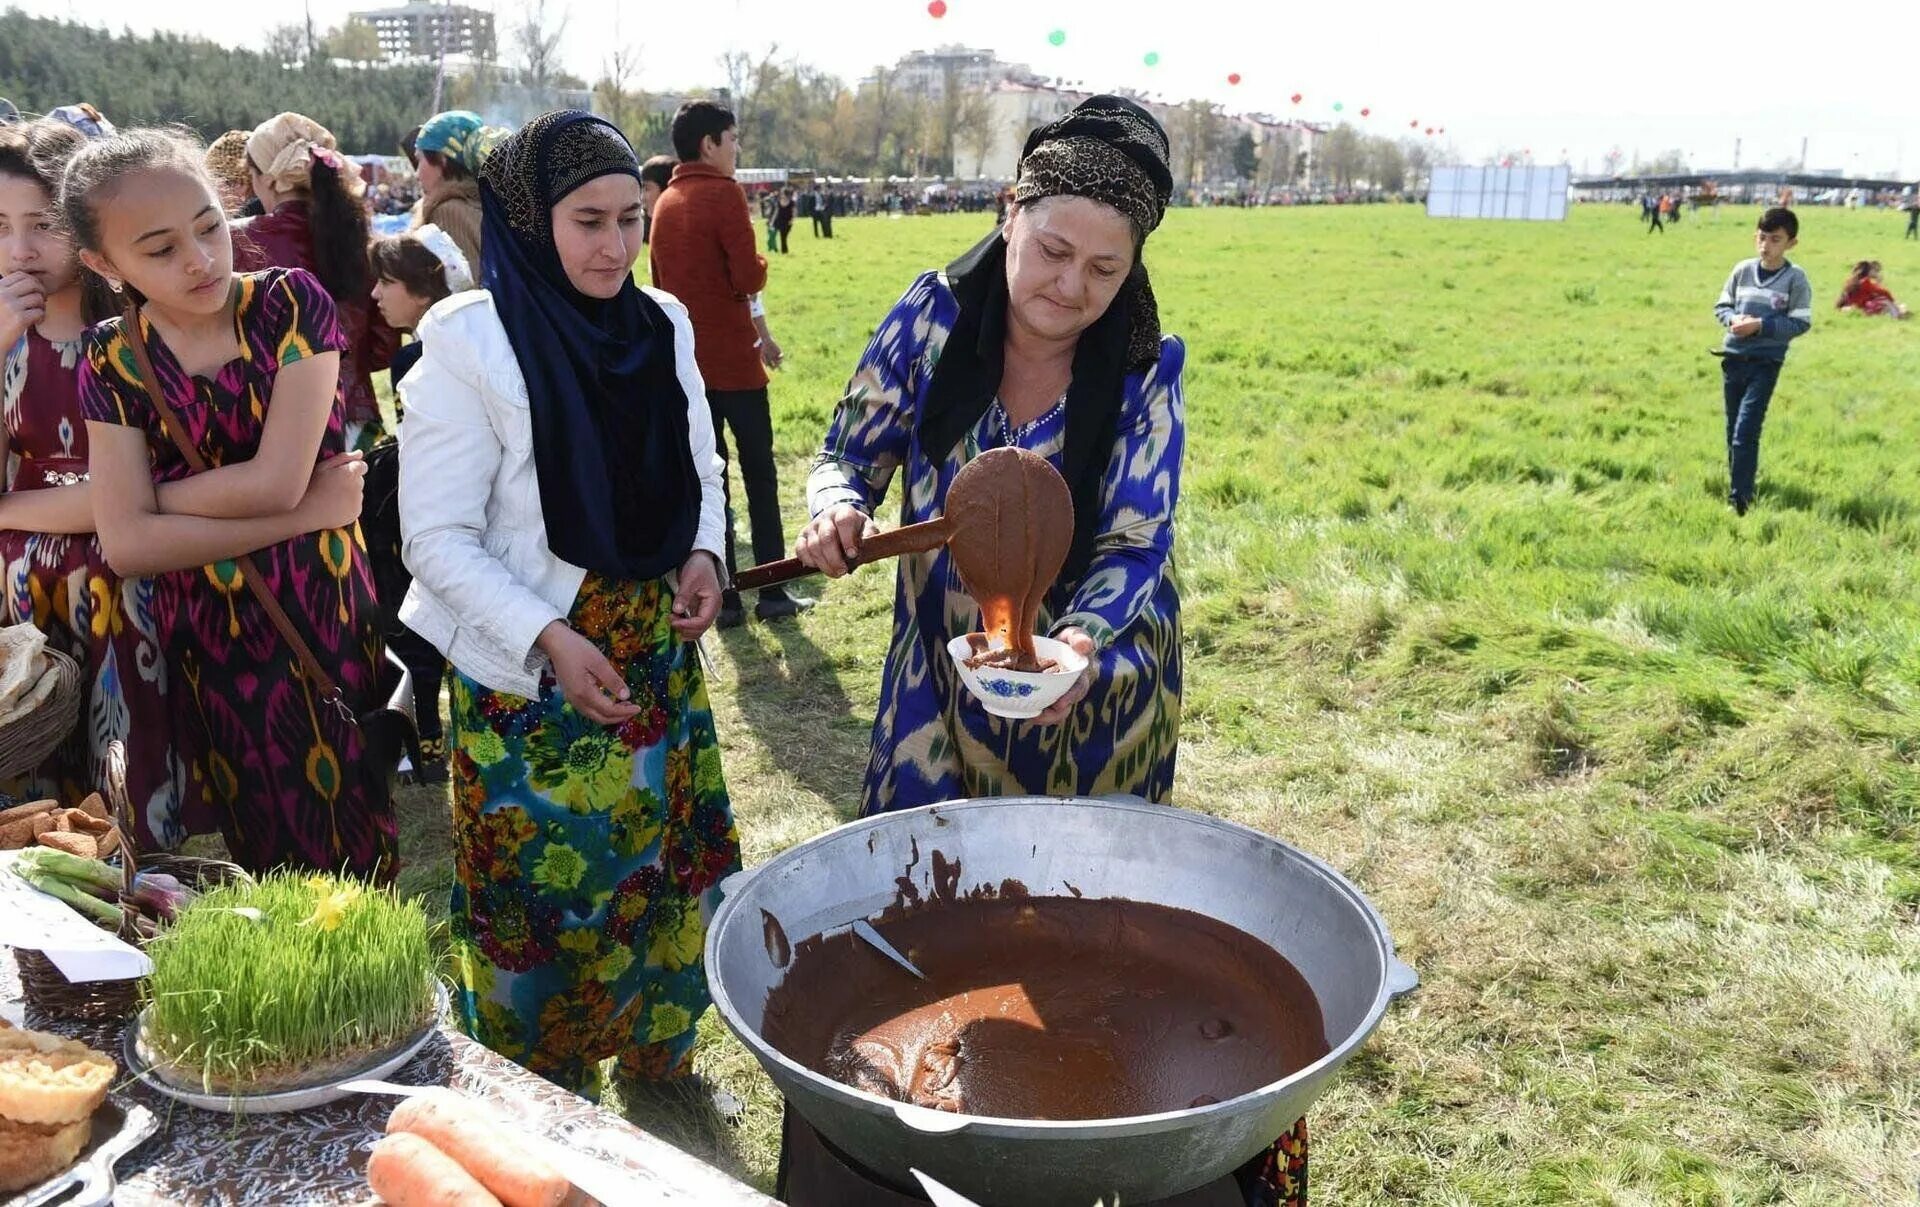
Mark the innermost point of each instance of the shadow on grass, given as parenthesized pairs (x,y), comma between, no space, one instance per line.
(1786,493)
(684,1115)
(789,694)
(425,813)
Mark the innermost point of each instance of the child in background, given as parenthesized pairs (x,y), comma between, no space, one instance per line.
(1766,302)
(411,272)
(249,366)
(1864,292)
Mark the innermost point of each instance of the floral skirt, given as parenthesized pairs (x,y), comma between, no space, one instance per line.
(587,858)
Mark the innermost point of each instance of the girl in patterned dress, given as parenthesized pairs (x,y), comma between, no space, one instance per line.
(250,365)
(55,576)
(561,511)
(1045,337)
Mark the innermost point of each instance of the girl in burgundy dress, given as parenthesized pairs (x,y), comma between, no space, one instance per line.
(52,573)
(315,217)
(248,364)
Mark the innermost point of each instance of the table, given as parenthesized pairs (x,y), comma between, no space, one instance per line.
(318,1158)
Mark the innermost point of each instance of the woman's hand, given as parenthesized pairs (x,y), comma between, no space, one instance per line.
(23,303)
(831,543)
(1062,708)
(334,492)
(697,599)
(587,679)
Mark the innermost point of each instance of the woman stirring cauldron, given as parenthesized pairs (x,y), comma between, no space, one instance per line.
(1043,337)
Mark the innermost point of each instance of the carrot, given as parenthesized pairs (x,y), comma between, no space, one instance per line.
(478,1140)
(406,1171)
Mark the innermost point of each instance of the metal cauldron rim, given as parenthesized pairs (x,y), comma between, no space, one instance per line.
(1397,978)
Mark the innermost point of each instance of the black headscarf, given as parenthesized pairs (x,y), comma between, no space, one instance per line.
(618,486)
(1110,150)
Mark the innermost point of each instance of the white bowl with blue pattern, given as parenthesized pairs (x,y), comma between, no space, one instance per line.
(1018,695)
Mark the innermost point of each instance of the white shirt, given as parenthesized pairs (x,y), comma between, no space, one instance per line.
(484,581)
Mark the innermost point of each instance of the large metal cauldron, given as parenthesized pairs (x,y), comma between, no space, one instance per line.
(1105,848)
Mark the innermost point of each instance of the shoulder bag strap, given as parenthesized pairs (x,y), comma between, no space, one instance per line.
(330,693)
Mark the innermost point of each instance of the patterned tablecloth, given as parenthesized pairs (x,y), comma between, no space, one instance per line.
(319,1157)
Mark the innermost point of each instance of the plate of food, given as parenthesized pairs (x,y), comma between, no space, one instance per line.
(57,1125)
(268,996)
(118,1128)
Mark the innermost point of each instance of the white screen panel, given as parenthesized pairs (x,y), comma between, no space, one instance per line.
(1536,194)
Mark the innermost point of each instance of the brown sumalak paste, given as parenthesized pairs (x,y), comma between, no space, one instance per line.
(1048,1008)
(1011,519)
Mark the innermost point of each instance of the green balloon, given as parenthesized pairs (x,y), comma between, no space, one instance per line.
(1337,106)
(1058,37)
(1153,58)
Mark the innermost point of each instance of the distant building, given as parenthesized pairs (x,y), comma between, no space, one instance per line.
(929,73)
(1017,109)
(1021,105)
(419,30)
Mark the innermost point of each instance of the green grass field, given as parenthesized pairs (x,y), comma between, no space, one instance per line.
(1635,783)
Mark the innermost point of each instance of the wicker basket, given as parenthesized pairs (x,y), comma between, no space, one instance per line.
(44,987)
(25,742)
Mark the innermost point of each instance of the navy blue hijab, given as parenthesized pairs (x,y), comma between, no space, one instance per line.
(618,486)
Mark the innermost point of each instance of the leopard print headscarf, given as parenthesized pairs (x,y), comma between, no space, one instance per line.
(1110,150)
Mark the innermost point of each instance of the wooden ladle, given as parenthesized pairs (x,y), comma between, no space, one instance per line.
(1009,522)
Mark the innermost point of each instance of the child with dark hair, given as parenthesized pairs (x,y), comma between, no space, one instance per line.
(697,123)
(55,576)
(247,366)
(412,273)
(1766,303)
(1864,292)
(655,175)
(315,219)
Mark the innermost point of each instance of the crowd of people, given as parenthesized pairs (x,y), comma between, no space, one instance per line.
(209,510)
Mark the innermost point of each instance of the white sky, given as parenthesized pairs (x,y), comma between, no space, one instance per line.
(1497,74)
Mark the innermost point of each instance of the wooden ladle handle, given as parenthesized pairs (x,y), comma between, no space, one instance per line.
(912,538)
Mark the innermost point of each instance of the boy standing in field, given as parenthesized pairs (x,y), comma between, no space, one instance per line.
(1766,303)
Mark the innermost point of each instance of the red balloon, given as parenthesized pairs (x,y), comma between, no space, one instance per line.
(1429,131)
(937,9)
(1366,113)
(1443,129)
(1414,124)
(1296,98)
(1233,78)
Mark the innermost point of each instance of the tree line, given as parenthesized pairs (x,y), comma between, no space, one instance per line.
(167,78)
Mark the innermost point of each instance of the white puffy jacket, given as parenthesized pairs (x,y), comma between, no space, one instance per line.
(484,582)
